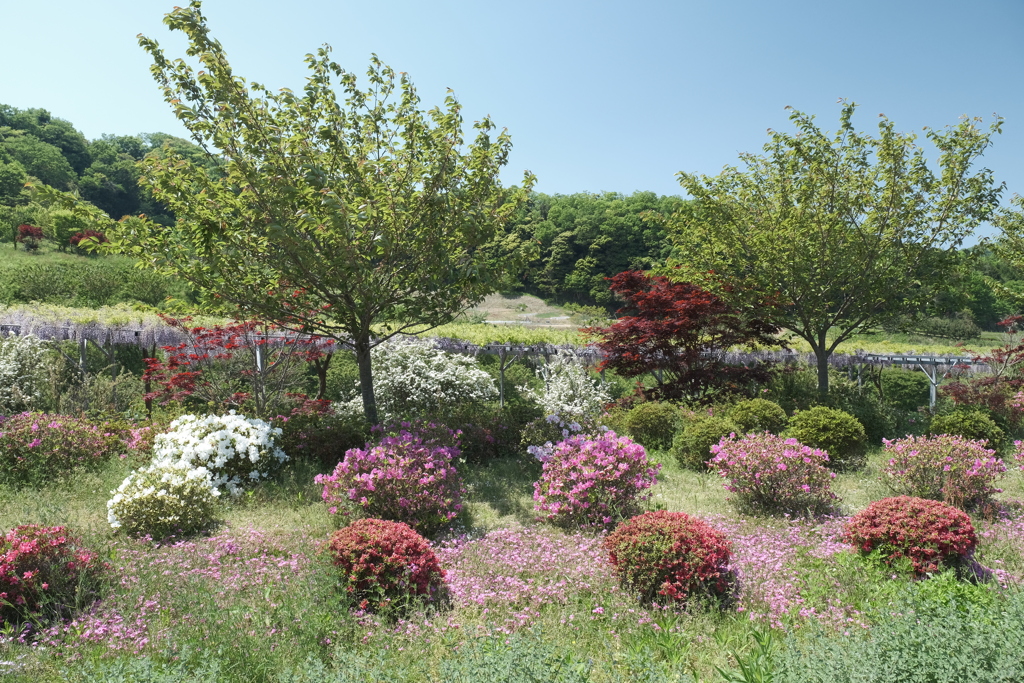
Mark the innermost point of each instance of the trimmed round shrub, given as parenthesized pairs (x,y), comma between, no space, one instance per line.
(931,535)
(163,500)
(45,572)
(385,564)
(407,477)
(957,471)
(758,415)
(906,390)
(36,448)
(970,424)
(767,473)
(692,446)
(670,557)
(594,481)
(236,450)
(836,432)
(652,424)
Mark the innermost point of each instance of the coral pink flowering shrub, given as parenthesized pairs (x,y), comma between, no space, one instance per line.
(670,555)
(37,447)
(957,471)
(768,473)
(930,534)
(407,477)
(385,563)
(44,571)
(593,481)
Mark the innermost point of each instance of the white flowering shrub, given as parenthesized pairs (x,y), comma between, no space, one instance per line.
(235,449)
(164,499)
(411,378)
(569,390)
(21,373)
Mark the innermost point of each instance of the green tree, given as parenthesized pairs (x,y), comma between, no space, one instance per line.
(356,219)
(843,231)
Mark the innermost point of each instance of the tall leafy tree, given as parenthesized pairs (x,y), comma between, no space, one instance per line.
(843,230)
(355,219)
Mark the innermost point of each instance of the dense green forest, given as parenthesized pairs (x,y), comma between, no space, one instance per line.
(581,238)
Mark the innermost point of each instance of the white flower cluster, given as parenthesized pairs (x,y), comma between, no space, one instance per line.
(569,389)
(236,450)
(21,373)
(411,377)
(164,499)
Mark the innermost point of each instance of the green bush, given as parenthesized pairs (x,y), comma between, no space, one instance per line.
(652,424)
(969,423)
(758,415)
(905,389)
(837,432)
(164,500)
(692,447)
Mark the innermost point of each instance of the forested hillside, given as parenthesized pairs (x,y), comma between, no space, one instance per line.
(36,144)
(581,238)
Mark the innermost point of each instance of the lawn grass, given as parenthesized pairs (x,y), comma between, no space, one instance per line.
(256,600)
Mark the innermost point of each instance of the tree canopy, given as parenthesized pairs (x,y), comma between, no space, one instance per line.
(842,230)
(353,219)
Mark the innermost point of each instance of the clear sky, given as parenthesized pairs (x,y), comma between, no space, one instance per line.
(598,96)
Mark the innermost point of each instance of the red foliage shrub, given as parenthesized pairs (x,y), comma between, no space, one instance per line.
(87,236)
(671,555)
(43,572)
(385,564)
(932,535)
(667,328)
(30,236)
(995,391)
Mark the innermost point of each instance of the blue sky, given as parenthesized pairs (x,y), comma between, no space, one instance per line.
(598,96)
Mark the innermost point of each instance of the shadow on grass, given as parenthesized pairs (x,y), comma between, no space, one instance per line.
(501,488)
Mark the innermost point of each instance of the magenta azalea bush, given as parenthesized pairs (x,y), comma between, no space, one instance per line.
(594,481)
(37,447)
(950,469)
(771,474)
(407,477)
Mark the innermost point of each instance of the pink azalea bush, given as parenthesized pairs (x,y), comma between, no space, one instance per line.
(37,447)
(951,469)
(771,474)
(43,571)
(594,481)
(407,477)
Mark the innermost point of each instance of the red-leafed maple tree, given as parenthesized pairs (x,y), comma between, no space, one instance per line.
(245,365)
(678,333)
(994,391)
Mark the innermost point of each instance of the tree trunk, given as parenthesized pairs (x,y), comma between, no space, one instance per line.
(822,356)
(366,379)
(321,365)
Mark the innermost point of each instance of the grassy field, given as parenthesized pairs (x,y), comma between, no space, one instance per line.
(256,600)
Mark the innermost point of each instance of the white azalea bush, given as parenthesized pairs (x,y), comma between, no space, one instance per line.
(22,366)
(163,500)
(412,378)
(569,390)
(236,450)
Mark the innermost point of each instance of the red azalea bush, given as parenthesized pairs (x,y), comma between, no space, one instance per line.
(384,563)
(957,471)
(44,571)
(775,475)
(407,477)
(670,555)
(37,447)
(593,481)
(930,534)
